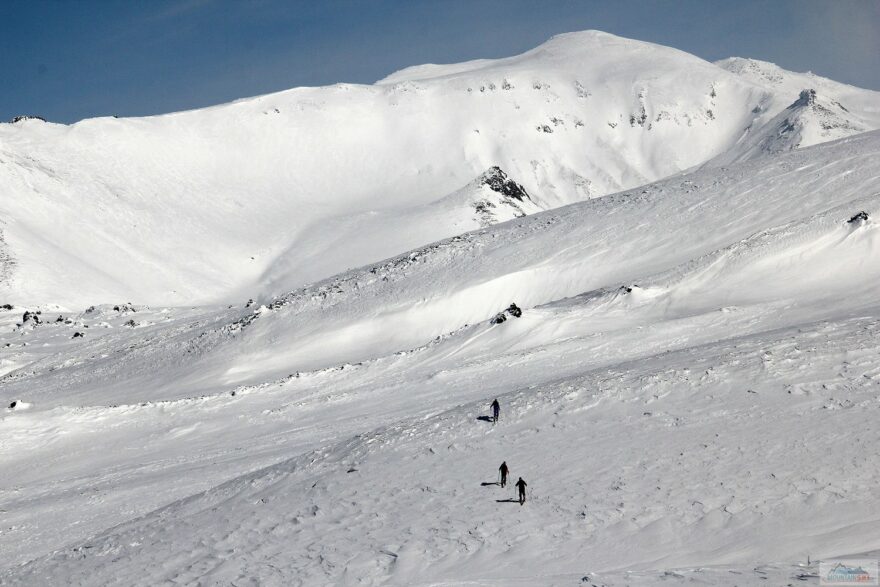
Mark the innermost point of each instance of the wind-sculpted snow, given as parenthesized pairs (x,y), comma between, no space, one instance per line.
(679,225)
(693,362)
(266,194)
(548,256)
(647,466)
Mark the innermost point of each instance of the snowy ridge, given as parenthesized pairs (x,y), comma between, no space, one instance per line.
(358,239)
(808,121)
(270,193)
(330,435)
(400,303)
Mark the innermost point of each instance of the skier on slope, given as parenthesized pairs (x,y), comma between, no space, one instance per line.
(521,490)
(496,409)
(504,472)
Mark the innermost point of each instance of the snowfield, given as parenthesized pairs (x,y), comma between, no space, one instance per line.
(209,206)
(691,393)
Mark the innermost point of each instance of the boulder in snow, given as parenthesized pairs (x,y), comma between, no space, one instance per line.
(499,318)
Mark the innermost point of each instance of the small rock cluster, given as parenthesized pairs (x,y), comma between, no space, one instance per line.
(498,181)
(500,317)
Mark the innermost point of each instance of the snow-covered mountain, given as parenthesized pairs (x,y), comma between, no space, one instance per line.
(689,385)
(265,194)
(669,335)
(352,240)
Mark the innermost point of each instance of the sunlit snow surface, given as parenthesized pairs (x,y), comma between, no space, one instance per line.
(691,395)
(266,194)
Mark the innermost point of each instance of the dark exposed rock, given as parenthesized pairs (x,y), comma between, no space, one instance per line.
(13,404)
(78,335)
(483,206)
(806,98)
(500,317)
(31,316)
(498,181)
(26,117)
(640,119)
(860,217)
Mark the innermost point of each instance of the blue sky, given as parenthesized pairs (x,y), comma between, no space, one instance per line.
(68,60)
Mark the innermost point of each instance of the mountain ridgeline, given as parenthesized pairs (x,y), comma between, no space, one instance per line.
(265,194)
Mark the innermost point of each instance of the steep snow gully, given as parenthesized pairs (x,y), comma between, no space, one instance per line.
(689,379)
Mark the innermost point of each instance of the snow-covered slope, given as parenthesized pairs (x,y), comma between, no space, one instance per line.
(267,193)
(357,239)
(808,121)
(676,343)
(860,106)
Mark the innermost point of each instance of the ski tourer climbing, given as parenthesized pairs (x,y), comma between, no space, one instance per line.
(521,490)
(504,472)
(496,409)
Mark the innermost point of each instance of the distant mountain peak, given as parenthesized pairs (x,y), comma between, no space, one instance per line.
(583,115)
(755,68)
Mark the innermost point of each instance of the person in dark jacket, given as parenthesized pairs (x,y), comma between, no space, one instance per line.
(496,409)
(521,489)
(504,472)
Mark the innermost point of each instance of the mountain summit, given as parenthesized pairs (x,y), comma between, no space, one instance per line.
(211,204)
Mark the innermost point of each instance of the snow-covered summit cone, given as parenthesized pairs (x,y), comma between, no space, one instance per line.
(811,119)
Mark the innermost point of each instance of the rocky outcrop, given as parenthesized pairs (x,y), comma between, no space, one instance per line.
(504,198)
(498,181)
(26,117)
(512,310)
